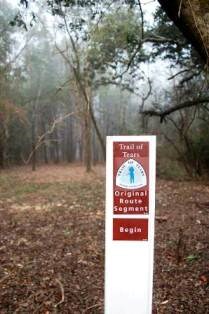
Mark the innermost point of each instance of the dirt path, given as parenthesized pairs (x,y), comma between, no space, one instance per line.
(52,243)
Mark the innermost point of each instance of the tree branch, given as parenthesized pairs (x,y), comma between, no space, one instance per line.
(186,104)
(145,97)
(142,19)
(42,137)
(149,39)
(178,73)
(189,77)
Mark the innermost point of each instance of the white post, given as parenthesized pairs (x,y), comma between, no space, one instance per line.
(130,212)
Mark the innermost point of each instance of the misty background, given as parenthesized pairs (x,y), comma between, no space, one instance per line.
(71,75)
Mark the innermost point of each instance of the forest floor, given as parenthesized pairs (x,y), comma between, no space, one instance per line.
(52,243)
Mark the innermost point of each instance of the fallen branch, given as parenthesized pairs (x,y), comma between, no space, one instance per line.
(161,218)
(91,307)
(62,292)
(4,278)
(180,246)
(203,205)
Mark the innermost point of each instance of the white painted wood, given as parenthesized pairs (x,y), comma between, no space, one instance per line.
(129,264)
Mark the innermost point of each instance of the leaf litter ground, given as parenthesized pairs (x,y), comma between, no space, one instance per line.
(52,243)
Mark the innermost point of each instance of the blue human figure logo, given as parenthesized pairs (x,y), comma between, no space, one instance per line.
(131,174)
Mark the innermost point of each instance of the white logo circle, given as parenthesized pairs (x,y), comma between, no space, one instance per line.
(131,175)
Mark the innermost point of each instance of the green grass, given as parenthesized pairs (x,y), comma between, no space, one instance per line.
(12,187)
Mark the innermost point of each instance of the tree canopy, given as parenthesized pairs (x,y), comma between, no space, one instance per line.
(76,51)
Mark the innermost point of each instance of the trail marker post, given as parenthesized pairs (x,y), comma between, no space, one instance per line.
(130,212)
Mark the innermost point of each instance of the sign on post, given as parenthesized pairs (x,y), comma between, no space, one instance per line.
(130,210)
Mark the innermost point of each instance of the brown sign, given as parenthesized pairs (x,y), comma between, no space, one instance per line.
(130,229)
(131,178)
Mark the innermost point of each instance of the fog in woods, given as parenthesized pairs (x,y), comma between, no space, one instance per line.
(72,73)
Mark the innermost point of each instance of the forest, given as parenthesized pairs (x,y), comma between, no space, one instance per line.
(71,73)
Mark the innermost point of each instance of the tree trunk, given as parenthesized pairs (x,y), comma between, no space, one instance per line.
(45,153)
(95,151)
(56,146)
(34,126)
(1,153)
(98,133)
(144,123)
(33,139)
(69,142)
(3,143)
(191,17)
(87,141)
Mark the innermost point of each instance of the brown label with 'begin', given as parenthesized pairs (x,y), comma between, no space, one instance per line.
(130,229)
